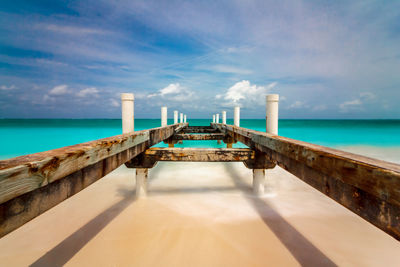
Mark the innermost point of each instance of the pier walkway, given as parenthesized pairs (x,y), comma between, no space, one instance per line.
(31,185)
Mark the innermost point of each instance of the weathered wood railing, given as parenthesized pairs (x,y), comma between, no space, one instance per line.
(32,184)
(368,187)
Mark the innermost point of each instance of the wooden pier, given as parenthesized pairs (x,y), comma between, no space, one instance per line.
(32,184)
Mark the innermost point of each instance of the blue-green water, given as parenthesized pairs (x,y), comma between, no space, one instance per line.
(20,136)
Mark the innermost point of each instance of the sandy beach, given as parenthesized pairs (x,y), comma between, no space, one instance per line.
(199,214)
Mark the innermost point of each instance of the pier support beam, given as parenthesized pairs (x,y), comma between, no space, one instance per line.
(127,107)
(181,118)
(184,118)
(217,118)
(228,140)
(164,118)
(258,181)
(141,182)
(175,116)
(259,164)
(214,118)
(224,117)
(236,118)
(271,117)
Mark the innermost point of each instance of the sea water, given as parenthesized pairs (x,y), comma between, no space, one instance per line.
(25,136)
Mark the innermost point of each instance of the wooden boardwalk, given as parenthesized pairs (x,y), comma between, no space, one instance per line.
(32,184)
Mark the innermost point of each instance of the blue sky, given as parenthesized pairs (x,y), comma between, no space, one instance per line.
(326,59)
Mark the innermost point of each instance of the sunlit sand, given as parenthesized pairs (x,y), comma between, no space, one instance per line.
(199,214)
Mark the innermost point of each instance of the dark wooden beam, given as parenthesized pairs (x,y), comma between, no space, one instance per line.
(212,136)
(368,187)
(199,129)
(199,154)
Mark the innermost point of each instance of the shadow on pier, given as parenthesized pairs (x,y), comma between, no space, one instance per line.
(299,246)
(302,249)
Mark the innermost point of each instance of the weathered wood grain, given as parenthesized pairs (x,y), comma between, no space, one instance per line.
(199,129)
(82,165)
(369,187)
(199,154)
(26,173)
(212,136)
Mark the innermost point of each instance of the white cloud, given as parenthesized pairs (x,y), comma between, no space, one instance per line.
(4,87)
(174,92)
(230,69)
(350,105)
(357,104)
(70,29)
(367,95)
(114,103)
(244,94)
(59,90)
(297,104)
(91,91)
(47,98)
(173,88)
(319,108)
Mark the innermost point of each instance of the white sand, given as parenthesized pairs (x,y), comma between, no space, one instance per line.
(198,214)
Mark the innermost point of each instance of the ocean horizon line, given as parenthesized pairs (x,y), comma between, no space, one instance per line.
(170,118)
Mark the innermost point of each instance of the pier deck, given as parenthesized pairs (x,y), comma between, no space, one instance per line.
(32,184)
(207,218)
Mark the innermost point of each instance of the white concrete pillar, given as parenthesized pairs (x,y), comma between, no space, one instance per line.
(175,116)
(127,107)
(217,118)
(164,116)
(184,118)
(236,116)
(213,118)
(224,117)
(258,181)
(272,114)
(181,118)
(141,182)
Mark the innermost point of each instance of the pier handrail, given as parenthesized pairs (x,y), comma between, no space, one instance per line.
(32,184)
(366,186)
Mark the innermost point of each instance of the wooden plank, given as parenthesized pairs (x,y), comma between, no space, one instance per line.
(199,154)
(212,136)
(21,208)
(199,129)
(368,187)
(27,173)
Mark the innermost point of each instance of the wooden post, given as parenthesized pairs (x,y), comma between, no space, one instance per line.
(214,118)
(181,118)
(236,118)
(184,118)
(217,121)
(175,116)
(164,116)
(127,107)
(141,182)
(224,117)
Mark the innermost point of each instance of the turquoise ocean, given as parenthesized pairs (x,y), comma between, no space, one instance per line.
(25,136)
